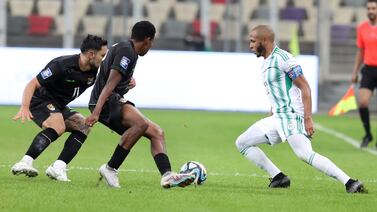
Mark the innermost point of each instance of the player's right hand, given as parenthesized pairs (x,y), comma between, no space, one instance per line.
(23,114)
(91,120)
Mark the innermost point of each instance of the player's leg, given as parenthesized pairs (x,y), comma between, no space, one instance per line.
(49,118)
(367,85)
(169,179)
(365,96)
(128,121)
(262,132)
(75,123)
(302,147)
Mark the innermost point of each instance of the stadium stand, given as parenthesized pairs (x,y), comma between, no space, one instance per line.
(21,7)
(50,8)
(39,25)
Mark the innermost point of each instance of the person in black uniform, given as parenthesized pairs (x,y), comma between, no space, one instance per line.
(45,100)
(110,108)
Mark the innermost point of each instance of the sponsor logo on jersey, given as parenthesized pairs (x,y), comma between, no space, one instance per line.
(90,80)
(124,62)
(46,73)
(50,107)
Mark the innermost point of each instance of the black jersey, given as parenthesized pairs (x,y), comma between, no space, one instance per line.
(62,80)
(121,57)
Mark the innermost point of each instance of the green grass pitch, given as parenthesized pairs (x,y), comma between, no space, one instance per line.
(233,184)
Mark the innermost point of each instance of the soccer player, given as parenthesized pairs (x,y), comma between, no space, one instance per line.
(291,120)
(45,100)
(120,115)
(367,54)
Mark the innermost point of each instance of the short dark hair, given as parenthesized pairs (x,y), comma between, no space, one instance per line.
(372,1)
(142,30)
(92,42)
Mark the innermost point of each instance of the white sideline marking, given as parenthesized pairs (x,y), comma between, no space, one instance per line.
(345,138)
(236,174)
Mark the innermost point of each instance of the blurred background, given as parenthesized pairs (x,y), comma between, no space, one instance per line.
(324,28)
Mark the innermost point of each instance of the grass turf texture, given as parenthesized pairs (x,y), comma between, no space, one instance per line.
(233,183)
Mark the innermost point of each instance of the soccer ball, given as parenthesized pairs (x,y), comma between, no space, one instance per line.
(197,169)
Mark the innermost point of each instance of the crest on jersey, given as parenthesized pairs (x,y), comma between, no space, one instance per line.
(90,80)
(50,107)
(46,73)
(291,126)
(124,62)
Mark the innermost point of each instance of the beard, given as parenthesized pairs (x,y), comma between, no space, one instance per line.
(93,65)
(371,16)
(260,50)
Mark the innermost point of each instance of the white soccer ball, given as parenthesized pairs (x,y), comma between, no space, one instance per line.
(196,169)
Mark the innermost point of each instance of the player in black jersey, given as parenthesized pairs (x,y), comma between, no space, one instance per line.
(45,100)
(110,108)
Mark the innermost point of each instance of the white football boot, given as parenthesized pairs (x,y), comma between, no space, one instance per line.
(24,168)
(58,171)
(171,179)
(110,175)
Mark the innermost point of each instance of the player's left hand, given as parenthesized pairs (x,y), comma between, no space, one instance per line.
(132,83)
(309,127)
(91,120)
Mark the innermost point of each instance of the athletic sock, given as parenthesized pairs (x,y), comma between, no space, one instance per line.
(41,142)
(257,156)
(118,157)
(326,166)
(72,146)
(162,162)
(364,115)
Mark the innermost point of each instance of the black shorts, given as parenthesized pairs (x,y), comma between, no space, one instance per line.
(369,77)
(42,108)
(111,114)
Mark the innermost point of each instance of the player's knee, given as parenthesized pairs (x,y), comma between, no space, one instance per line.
(58,127)
(141,126)
(240,143)
(158,132)
(85,129)
(303,155)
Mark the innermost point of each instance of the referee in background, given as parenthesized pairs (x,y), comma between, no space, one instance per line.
(367,53)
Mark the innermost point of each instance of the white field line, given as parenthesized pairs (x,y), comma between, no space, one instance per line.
(322,128)
(344,138)
(236,174)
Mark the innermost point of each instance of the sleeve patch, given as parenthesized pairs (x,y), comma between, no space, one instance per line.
(295,72)
(124,62)
(46,73)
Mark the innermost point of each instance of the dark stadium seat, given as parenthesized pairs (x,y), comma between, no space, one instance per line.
(174,29)
(214,28)
(342,33)
(17,25)
(293,13)
(39,25)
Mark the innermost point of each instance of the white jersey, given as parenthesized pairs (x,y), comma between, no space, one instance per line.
(279,70)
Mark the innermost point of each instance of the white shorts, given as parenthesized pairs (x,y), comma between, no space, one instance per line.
(273,130)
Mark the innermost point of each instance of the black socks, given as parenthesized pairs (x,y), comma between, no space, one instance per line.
(118,157)
(72,146)
(41,142)
(364,115)
(162,162)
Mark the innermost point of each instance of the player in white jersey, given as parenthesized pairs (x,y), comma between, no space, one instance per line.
(291,120)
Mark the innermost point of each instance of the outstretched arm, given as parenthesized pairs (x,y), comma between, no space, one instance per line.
(304,87)
(24,112)
(113,80)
